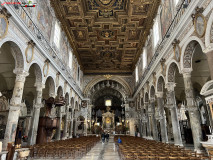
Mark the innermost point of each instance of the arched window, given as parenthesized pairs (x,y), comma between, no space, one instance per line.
(144,58)
(136,74)
(156,36)
(57,35)
(70,60)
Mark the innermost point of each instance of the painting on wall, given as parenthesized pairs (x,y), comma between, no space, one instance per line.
(200,25)
(149,51)
(166,16)
(3,26)
(75,67)
(64,51)
(44,18)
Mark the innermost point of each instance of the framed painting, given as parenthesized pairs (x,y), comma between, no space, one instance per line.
(200,25)
(3,26)
(29,53)
(177,52)
(46,69)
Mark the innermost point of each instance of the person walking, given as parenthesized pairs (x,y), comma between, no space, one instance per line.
(107,136)
(103,137)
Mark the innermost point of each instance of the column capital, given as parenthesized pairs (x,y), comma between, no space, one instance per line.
(191,109)
(159,94)
(170,86)
(20,74)
(38,106)
(208,49)
(186,75)
(39,86)
(152,100)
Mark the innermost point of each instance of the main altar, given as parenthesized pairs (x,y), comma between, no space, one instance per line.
(108,120)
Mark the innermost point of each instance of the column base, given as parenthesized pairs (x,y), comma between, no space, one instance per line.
(179,145)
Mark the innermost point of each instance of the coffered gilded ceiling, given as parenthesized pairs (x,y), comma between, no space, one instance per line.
(107,36)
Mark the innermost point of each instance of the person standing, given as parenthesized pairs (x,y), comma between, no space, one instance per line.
(107,136)
(103,137)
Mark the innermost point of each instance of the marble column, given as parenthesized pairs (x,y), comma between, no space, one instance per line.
(160,102)
(154,123)
(36,112)
(65,124)
(74,126)
(147,123)
(193,112)
(58,131)
(171,104)
(14,107)
(144,130)
(71,124)
(209,54)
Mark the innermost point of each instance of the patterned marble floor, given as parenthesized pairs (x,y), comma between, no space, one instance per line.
(100,151)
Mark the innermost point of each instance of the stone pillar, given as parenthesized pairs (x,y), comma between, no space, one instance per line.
(74,126)
(65,124)
(58,131)
(209,54)
(144,130)
(14,107)
(160,102)
(154,123)
(193,112)
(36,112)
(171,104)
(71,124)
(148,123)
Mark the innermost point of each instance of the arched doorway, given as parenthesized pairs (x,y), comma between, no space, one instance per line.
(108,112)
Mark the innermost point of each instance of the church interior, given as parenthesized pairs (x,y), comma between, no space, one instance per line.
(106,79)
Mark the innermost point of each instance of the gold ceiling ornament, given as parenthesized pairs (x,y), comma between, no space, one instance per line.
(107,76)
(121,29)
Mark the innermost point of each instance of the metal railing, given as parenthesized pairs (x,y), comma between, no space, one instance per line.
(183,7)
(55,58)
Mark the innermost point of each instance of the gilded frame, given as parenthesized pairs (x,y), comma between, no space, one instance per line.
(179,49)
(195,24)
(46,65)
(27,54)
(6,20)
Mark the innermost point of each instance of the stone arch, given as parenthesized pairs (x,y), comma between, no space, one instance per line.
(113,78)
(170,73)
(16,51)
(188,51)
(146,99)
(142,101)
(51,85)
(209,32)
(72,102)
(160,83)
(60,91)
(38,72)
(67,98)
(76,105)
(152,92)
